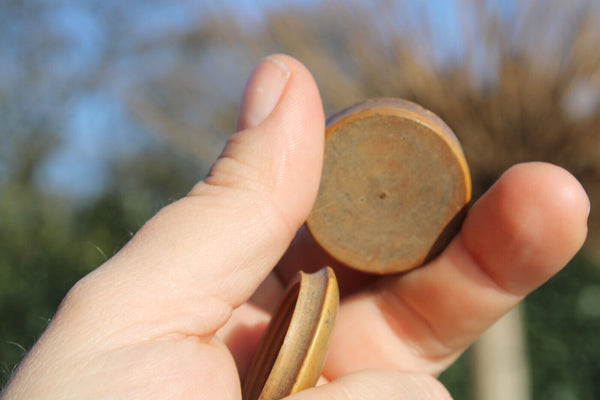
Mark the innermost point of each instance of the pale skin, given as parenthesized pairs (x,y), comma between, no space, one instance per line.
(177,312)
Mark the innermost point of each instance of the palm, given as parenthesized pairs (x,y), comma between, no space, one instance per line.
(181,368)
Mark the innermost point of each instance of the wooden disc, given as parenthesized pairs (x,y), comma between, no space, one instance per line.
(394,189)
(292,351)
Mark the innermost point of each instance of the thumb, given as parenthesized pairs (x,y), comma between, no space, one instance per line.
(205,254)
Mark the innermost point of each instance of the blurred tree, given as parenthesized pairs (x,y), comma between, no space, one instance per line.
(567,333)
(47,244)
(518,82)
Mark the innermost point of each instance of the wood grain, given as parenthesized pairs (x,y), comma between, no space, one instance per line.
(394,189)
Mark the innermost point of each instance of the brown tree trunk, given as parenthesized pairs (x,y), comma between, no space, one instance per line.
(500,361)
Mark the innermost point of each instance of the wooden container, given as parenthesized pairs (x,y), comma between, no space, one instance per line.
(394,189)
(293,348)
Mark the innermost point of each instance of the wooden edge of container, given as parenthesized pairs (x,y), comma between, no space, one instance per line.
(292,351)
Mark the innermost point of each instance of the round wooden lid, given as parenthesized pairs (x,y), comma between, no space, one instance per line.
(292,351)
(394,189)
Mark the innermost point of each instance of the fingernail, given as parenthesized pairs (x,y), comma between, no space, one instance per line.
(262,92)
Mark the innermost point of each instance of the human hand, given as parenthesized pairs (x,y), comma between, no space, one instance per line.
(169,316)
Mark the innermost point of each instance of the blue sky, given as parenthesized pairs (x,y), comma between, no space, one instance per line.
(97,125)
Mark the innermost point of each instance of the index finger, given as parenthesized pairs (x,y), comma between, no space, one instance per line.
(519,234)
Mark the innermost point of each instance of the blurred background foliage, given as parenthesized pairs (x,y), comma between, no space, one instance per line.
(110,110)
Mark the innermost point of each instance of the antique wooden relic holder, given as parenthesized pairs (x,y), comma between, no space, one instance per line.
(394,191)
